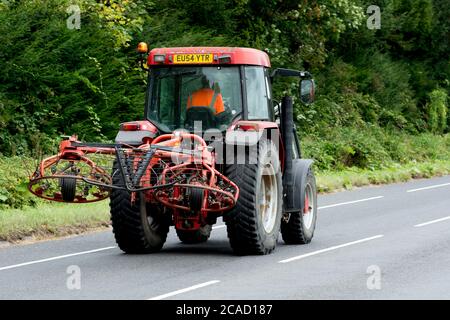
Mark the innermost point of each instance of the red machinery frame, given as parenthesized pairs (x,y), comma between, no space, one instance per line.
(169,187)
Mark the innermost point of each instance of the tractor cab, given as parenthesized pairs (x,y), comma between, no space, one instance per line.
(207,88)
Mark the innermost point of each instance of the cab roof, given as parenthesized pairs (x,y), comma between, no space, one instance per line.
(207,56)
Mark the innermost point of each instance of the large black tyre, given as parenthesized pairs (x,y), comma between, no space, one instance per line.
(138,227)
(301,225)
(197,236)
(249,233)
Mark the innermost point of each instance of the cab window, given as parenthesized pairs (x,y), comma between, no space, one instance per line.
(173,93)
(257,95)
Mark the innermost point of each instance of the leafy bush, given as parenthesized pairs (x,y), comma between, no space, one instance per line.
(373,148)
(437,111)
(55,80)
(328,181)
(13,183)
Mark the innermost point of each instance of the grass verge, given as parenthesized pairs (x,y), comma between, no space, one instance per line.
(49,220)
(329,181)
(52,220)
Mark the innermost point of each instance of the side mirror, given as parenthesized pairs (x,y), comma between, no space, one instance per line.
(307,91)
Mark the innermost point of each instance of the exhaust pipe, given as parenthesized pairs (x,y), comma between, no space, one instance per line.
(287,125)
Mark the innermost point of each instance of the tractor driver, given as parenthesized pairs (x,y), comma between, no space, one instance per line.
(207,97)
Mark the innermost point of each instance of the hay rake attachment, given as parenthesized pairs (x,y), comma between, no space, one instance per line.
(179,178)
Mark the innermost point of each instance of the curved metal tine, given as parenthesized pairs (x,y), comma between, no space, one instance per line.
(114,173)
(173,172)
(154,171)
(108,164)
(63,170)
(96,153)
(26,166)
(164,165)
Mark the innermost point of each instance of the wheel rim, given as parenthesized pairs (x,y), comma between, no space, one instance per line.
(308,210)
(268,198)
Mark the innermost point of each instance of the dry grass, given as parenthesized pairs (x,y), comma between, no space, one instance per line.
(52,220)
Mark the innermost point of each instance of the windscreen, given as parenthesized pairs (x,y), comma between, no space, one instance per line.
(188,97)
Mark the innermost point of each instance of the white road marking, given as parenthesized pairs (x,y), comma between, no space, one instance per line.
(174,293)
(349,202)
(432,221)
(220,226)
(330,249)
(429,187)
(54,258)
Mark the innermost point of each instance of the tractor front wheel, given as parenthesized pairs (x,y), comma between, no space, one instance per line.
(138,226)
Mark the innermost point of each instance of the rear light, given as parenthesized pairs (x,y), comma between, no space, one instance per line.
(159,58)
(247,127)
(130,126)
(225,59)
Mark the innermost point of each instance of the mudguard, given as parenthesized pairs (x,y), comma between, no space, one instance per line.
(300,168)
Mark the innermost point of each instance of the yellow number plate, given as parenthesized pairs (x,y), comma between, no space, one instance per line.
(193,58)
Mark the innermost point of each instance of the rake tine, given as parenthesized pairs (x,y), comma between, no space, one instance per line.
(26,166)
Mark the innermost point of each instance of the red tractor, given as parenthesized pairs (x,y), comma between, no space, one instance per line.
(213,143)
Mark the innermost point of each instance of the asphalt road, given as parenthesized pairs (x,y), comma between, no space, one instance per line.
(388,242)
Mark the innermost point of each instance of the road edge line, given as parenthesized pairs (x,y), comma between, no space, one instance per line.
(431,222)
(191,288)
(349,202)
(313,253)
(24,264)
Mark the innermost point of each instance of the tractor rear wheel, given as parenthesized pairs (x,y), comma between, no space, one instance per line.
(300,227)
(253,225)
(196,236)
(138,227)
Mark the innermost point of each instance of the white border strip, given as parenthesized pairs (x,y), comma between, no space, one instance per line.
(54,258)
(432,221)
(174,293)
(349,202)
(330,249)
(429,187)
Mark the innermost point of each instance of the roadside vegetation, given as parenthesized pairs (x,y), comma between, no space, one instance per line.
(48,220)
(331,181)
(23,216)
(381,113)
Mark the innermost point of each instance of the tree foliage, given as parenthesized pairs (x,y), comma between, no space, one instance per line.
(55,80)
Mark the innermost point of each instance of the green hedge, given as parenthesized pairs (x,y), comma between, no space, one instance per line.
(14,174)
(373,148)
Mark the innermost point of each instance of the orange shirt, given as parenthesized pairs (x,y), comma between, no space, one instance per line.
(203,98)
